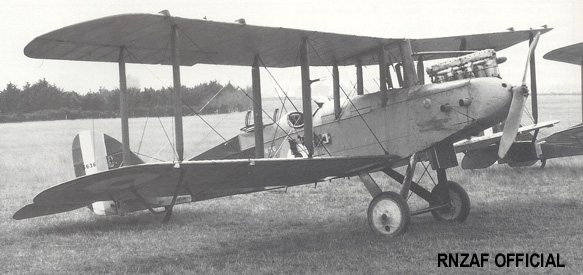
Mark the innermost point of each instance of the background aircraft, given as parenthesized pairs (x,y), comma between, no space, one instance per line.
(351,137)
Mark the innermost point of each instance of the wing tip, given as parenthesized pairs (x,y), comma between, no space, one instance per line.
(34,210)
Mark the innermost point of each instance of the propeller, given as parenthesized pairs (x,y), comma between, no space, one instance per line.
(519,95)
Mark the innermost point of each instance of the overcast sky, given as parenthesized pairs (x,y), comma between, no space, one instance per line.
(23,20)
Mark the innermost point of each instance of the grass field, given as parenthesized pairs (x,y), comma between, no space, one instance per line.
(301,230)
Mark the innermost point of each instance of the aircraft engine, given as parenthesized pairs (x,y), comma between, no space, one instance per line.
(479,64)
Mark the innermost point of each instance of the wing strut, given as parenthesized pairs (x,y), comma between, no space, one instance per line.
(177,93)
(383,75)
(359,81)
(123,108)
(306,97)
(257,108)
(534,99)
(336,89)
(408,64)
(420,70)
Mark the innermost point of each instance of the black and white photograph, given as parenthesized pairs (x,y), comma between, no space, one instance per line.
(291,137)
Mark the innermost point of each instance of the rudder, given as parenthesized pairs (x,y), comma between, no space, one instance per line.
(96,152)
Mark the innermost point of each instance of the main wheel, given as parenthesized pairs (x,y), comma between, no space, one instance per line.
(459,202)
(388,214)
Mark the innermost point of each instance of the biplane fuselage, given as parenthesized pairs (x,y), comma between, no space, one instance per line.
(413,119)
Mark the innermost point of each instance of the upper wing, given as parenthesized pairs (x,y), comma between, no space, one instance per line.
(203,179)
(496,41)
(570,54)
(476,143)
(146,37)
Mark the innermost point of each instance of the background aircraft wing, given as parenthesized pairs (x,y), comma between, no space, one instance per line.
(202,180)
(476,143)
(146,37)
(482,152)
(572,54)
(564,143)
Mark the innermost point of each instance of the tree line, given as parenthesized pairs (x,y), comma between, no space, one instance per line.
(45,101)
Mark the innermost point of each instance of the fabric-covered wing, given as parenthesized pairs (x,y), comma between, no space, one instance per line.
(147,38)
(564,143)
(204,179)
(496,41)
(477,143)
(36,210)
(572,54)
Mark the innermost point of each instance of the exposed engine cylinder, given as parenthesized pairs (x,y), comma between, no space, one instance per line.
(478,64)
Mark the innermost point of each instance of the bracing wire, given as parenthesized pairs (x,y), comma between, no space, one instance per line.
(276,82)
(211,60)
(284,93)
(171,90)
(140,154)
(429,174)
(151,72)
(204,120)
(143,133)
(163,84)
(212,98)
(528,113)
(220,121)
(168,138)
(350,100)
(268,116)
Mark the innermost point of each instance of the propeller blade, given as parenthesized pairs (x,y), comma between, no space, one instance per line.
(530,51)
(512,121)
(519,95)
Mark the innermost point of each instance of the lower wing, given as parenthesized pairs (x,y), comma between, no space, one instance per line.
(202,180)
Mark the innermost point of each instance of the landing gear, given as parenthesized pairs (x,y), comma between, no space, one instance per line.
(455,199)
(388,214)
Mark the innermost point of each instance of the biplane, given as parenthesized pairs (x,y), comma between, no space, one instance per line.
(528,149)
(347,137)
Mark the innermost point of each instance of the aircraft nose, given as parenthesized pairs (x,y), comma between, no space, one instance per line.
(492,98)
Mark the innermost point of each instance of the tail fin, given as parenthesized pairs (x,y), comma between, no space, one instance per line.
(95,152)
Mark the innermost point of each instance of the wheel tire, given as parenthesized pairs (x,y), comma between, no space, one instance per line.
(459,200)
(388,214)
